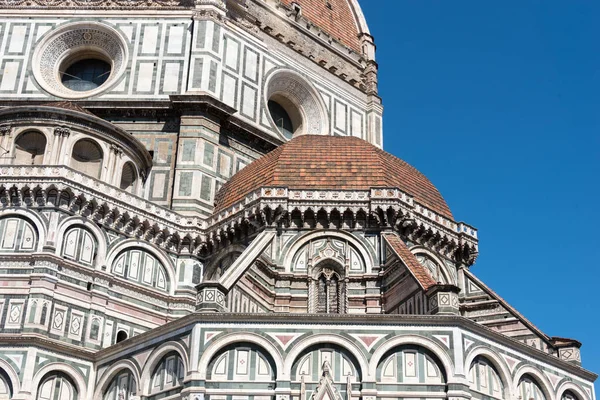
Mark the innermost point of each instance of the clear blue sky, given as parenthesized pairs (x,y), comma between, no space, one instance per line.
(498,103)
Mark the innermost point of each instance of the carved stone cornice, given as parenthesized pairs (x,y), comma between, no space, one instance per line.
(98,4)
(102,203)
(387,208)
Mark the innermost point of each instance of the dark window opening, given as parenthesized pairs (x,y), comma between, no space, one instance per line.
(121,335)
(85,75)
(281,118)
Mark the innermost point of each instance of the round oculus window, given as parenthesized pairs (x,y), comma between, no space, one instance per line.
(85,75)
(80,60)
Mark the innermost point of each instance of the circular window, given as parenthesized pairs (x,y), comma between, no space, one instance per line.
(80,60)
(294,105)
(84,75)
(282,119)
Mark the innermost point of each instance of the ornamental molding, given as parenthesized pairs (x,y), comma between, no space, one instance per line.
(56,266)
(69,42)
(98,4)
(267,207)
(99,202)
(387,208)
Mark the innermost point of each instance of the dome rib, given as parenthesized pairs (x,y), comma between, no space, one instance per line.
(312,162)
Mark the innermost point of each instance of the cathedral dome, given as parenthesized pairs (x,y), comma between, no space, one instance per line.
(316,162)
(341,19)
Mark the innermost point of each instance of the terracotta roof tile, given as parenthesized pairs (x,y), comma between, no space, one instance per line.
(337,21)
(331,163)
(409,259)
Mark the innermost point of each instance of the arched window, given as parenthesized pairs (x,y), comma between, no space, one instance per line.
(43,314)
(341,363)
(329,291)
(432,267)
(139,266)
(412,365)
(168,374)
(280,116)
(30,148)
(57,386)
(17,235)
(121,336)
(242,363)
(122,387)
(32,311)
(529,389)
(485,380)
(95,329)
(128,177)
(79,245)
(5,386)
(87,158)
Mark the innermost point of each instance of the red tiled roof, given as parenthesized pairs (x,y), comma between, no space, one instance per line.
(315,162)
(337,21)
(409,259)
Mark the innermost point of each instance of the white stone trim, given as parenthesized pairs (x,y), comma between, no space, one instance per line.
(73,373)
(236,337)
(33,218)
(99,234)
(494,358)
(322,234)
(14,377)
(125,245)
(400,340)
(155,358)
(539,376)
(114,370)
(566,385)
(345,343)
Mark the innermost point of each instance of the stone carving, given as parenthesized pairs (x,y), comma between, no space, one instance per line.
(101,4)
(299,92)
(69,40)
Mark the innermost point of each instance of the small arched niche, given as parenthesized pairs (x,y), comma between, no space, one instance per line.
(30,148)
(293,105)
(128,178)
(87,158)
